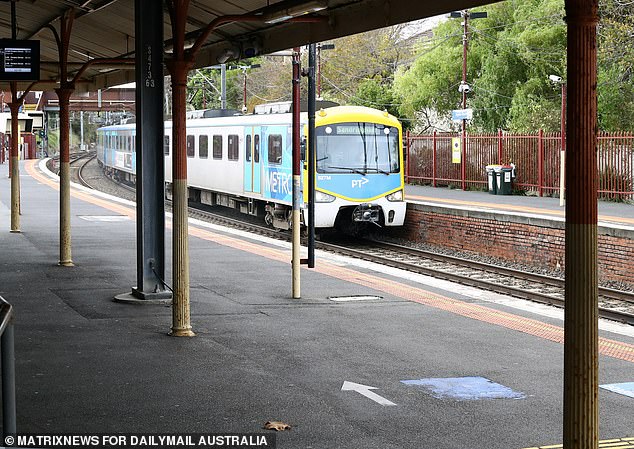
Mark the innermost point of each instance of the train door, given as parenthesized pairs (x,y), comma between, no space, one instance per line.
(252,164)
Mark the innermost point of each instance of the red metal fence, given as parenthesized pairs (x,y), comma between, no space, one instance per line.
(536,158)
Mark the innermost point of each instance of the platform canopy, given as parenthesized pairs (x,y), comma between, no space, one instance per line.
(105,29)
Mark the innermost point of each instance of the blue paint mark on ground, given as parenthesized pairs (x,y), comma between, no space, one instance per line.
(465,388)
(626,388)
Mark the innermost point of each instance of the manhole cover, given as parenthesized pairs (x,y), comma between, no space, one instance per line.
(355,298)
(108,218)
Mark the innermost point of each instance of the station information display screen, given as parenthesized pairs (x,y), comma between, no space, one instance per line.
(19,60)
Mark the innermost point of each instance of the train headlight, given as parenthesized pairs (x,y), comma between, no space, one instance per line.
(321,197)
(395,196)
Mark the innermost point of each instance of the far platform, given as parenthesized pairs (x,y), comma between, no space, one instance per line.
(546,207)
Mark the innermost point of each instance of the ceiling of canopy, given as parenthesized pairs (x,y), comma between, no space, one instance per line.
(105,29)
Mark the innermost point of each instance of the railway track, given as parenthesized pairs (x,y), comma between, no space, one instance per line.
(613,304)
(77,163)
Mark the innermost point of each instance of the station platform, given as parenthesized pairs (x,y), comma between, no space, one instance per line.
(369,357)
(610,212)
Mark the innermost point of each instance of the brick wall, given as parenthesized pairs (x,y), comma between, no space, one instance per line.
(526,239)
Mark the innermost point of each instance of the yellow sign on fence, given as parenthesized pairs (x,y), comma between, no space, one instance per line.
(456,150)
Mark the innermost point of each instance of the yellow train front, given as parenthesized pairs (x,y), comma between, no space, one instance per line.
(359,169)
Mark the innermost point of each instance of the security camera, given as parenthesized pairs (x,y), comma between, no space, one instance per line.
(244,109)
(464,87)
(555,78)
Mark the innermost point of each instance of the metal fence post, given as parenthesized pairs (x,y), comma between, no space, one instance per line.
(407,161)
(434,159)
(499,146)
(540,162)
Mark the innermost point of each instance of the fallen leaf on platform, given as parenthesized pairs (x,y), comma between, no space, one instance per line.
(278,426)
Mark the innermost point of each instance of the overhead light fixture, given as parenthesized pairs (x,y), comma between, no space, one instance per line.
(228,54)
(286,10)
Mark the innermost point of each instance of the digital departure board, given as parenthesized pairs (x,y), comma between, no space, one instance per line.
(19,60)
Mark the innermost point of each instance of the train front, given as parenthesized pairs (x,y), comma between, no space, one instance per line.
(359,160)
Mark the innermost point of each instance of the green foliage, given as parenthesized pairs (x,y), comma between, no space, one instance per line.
(360,69)
(431,83)
(616,66)
(511,53)
(374,92)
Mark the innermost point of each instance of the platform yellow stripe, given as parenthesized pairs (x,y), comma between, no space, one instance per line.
(612,348)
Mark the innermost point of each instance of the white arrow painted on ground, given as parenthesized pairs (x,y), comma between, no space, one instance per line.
(365,391)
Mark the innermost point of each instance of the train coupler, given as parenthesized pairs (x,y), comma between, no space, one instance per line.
(367,213)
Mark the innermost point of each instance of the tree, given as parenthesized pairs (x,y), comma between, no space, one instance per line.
(510,55)
(204,88)
(360,69)
(616,66)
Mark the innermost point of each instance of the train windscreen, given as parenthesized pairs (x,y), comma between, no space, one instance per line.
(357,147)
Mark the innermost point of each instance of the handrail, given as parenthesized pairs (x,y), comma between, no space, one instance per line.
(8,369)
(6,312)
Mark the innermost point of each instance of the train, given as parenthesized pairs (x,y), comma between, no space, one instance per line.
(245,162)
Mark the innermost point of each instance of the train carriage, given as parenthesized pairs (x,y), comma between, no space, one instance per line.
(245,162)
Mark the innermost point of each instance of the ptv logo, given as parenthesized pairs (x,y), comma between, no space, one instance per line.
(359,182)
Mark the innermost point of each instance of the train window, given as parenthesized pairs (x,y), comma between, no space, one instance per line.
(248,148)
(233,148)
(217,147)
(256,148)
(203,146)
(191,151)
(166,145)
(275,149)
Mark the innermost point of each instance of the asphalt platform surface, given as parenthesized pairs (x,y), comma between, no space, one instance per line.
(86,364)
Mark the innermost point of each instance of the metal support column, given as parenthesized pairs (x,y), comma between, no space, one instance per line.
(178,68)
(223,86)
(562,154)
(14,168)
(312,57)
(150,164)
(463,150)
(581,415)
(63,93)
(296,260)
(65,258)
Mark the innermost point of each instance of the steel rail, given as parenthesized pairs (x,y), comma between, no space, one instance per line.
(81,169)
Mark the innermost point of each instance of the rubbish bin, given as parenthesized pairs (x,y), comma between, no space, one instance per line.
(505,180)
(491,178)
